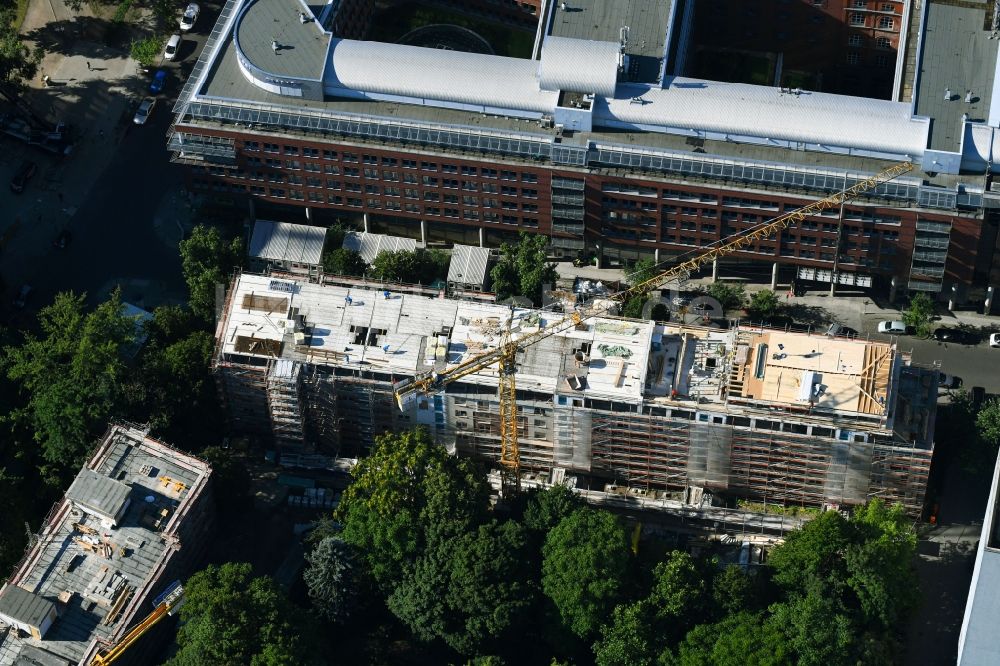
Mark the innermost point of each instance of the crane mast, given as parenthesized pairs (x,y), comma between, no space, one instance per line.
(166,604)
(505,354)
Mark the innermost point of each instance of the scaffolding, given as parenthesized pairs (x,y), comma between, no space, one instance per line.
(284,395)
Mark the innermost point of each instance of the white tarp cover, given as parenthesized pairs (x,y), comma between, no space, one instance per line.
(438,74)
(579,65)
(763,111)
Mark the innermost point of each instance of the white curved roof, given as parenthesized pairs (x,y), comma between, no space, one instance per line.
(579,65)
(423,73)
(980,146)
(745,110)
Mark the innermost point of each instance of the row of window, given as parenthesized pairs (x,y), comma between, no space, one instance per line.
(854,58)
(880,42)
(858,20)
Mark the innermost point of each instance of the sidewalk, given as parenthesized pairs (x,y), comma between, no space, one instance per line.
(92,88)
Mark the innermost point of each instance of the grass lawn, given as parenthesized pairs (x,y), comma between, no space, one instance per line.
(19,14)
(395,21)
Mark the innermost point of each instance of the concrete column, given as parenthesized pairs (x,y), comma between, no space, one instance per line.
(833,284)
(656,255)
(893,286)
(309,214)
(364,218)
(988,304)
(423,232)
(253,210)
(715,270)
(482,236)
(774,276)
(953,294)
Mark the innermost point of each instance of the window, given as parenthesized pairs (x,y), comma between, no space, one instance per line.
(489,173)
(860,4)
(277,192)
(854,40)
(370,159)
(390,161)
(432,196)
(886,23)
(529,194)
(529,178)
(334,199)
(883,42)
(391,176)
(888,7)
(449,168)
(251,145)
(371,173)
(450,183)
(329,154)
(428,166)
(352,201)
(410,193)
(271,148)
(291,150)
(331,169)
(372,189)
(350,157)
(883,61)
(354,172)
(469,171)
(852,58)
(857,19)
(508,175)
(311,166)
(333,184)
(310,152)
(409,164)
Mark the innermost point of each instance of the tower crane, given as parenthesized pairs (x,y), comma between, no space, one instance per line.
(504,355)
(166,604)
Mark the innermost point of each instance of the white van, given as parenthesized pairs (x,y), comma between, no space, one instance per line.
(172,45)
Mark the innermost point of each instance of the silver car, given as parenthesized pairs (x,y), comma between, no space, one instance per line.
(144,111)
(190,16)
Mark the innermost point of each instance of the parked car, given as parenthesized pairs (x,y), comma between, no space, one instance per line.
(955,335)
(22,296)
(159,80)
(22,176)
(893,328)
(949,381)
(994,339)
(144,111)
(190,16)
(170,52)
(842,331)
(63,239)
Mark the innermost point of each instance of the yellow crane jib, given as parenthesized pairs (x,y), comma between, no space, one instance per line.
(166,604)
(505,354)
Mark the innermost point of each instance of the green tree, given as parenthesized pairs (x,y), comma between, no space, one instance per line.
(230,617)
(207,259)
(230,479)
(18,62)
(817,629)
(584,561)
(679,592)
(630,637)
(523,269)
(71,374)
(544,509)
(732,590)
(411,266)
(643,271)
(407,491)
(730,296)
(745,639)
(763,304)
(146,51)
(988,426)
(469,589)
(344,262)
(180,396)
(919,313)
(334,578)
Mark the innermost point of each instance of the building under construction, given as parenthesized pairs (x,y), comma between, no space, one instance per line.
(136,518)
(676,411)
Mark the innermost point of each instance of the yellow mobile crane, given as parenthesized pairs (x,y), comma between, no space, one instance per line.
(166,604)
(505,354)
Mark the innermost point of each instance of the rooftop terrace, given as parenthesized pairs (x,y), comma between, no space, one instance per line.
(77,561)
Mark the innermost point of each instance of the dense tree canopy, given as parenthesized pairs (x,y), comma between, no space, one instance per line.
(468,590)
(207,260)
(919,313)
(335,579)
(231,617)
(763,304)
(523,269)
(344,262)
(71,374)
(729,296)
(584,561)
(408,491)
(411,266)
(744,639)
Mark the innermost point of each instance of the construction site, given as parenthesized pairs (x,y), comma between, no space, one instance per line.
(692,414)
(136,519)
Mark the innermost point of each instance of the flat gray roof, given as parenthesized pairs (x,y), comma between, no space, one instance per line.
(302,46)
(958,55)
(98,493)
(24,606)
(602,20)
(282,241)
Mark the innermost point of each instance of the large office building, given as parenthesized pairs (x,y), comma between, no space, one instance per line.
(137,517)
(671,411)
(605,139)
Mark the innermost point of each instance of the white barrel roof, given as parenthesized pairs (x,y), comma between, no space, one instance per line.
(579,65)
(424,73)
(980,147)
(743,110)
